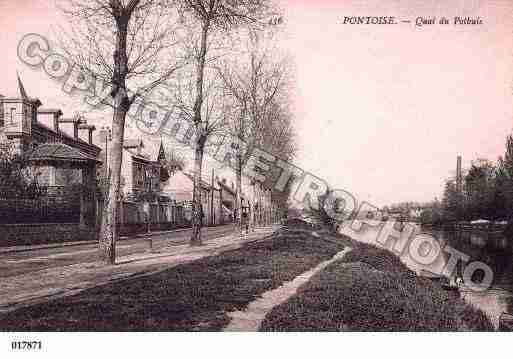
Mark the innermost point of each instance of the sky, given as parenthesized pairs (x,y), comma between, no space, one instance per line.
(381,111)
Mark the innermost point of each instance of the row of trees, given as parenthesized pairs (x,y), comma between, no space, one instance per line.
(215,63)
(486,192)
(257,89)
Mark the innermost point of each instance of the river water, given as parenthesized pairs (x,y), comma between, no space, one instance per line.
(493,301)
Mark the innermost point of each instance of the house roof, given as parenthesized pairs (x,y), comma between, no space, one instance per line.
(134,147)
(139,156)
(39,125)
(47,111)
(59,152)
(20,94)
(204,184)
(162,153)
(23,92)
(133,143)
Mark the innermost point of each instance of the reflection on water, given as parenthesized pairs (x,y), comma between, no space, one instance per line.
(495,252)
(492,250)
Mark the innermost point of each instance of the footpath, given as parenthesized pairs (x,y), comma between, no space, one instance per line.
(25,248)
(47,284)
(250,319)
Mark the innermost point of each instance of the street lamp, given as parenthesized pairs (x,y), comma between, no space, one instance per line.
(107,136)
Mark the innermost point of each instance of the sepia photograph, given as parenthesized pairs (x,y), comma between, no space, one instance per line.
(325,169)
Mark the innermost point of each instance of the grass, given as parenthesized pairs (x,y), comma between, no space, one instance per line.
(370,289)
(189,297)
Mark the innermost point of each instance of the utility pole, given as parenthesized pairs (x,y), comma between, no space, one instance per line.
(212,215)
(106,136)
(107,133)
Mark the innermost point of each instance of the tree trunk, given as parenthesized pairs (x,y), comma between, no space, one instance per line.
(197,209)
(238,186)
(260,206)
(109,232)
(253,208)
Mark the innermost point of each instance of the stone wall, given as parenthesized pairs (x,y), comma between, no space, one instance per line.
(30,234)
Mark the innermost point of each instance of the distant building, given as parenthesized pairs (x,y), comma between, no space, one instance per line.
(180,187)
(140,174)
(228,198)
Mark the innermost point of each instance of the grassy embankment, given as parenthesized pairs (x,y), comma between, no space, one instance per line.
(192,296)
(370,289)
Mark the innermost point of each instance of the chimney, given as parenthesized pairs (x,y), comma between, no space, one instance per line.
(1,111)
(459,177)
(76,121)
(75,130)
(56,113)
(91,129)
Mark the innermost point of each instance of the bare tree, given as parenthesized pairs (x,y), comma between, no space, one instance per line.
(213,17)
(129,45)
(175,162)
(259,86)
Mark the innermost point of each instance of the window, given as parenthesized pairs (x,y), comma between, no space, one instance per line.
(13,115)
(140,176)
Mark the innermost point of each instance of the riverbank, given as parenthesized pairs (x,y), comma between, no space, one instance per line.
(494,301)
(370,289)
(498,299)
(494,249)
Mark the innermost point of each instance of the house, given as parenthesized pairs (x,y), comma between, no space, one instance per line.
(56,158)
(180,187)
(139,173)
(142,176)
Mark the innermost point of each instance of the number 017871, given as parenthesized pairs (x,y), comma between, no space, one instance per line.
(26,345)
